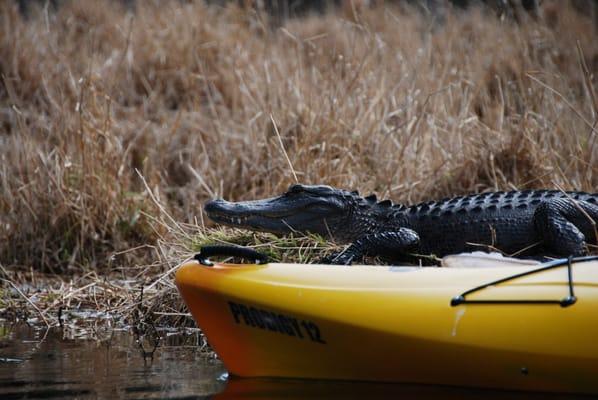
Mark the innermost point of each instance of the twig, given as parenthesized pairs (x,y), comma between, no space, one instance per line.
(28,300)
(531,246)
(165,274)
(487,247)
(283,150)
(172,314)
(202,182)
(544,85)
(158,204)
(587,80)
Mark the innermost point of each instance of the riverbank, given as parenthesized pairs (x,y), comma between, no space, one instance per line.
(141,298)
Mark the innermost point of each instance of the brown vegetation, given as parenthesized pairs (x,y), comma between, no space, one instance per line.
(116,125)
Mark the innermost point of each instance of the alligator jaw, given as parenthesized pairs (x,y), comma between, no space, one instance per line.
(258,215)
(276,215)
(305,209)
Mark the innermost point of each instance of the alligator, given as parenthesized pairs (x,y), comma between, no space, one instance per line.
(521,223)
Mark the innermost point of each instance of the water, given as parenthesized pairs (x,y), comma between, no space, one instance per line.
(36,363)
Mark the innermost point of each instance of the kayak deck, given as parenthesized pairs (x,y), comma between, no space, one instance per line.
(397,324)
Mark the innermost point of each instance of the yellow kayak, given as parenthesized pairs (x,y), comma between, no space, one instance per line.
(530,327)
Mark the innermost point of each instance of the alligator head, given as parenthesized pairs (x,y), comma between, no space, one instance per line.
(318,209)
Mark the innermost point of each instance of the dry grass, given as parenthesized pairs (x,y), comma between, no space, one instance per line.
(190,97)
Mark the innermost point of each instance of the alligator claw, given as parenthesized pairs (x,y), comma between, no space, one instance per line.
(326,259)
(339,258)
(343,258)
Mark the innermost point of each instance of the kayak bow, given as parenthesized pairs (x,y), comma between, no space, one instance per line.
(533,328)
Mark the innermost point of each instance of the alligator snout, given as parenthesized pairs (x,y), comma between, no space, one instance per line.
(213,206)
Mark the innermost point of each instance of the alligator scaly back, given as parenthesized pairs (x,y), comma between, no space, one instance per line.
(515,222)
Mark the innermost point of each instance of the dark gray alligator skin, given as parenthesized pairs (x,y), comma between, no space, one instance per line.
(529,222)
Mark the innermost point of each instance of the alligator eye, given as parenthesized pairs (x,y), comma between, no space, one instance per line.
(295,188)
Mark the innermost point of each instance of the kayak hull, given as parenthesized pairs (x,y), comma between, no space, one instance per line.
(397,324)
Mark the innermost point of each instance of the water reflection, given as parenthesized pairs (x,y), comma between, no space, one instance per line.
(268,389)
(36,363)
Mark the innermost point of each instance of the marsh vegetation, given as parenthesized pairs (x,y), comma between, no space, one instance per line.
(117,124)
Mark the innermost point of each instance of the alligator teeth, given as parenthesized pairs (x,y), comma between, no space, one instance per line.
(234,220)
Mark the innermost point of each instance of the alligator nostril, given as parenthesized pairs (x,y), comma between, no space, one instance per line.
(213,205)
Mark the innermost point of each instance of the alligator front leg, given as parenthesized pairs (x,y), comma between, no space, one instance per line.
(386,244)
(561,224)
